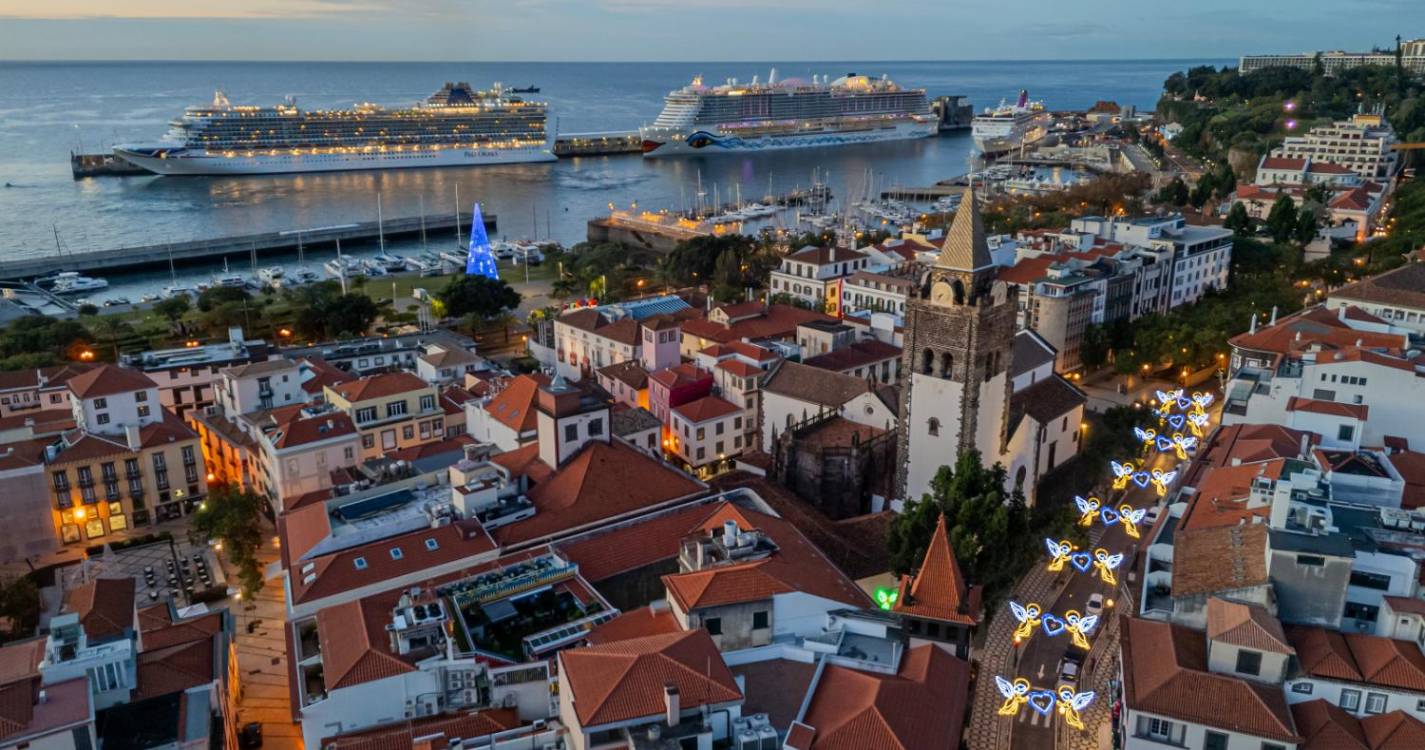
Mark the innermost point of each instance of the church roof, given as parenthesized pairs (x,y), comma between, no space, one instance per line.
(938,590)
(965,248)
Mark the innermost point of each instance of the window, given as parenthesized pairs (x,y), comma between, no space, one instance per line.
(1305,688)
(432,545)
(1350,699)
(360,563)
(701,453)
(141,396)
(143,411)
(1249,662)
(366,414)
(408,432)
(571,433)
(1345,432)
(1214,741)
(347,453)
(702,433)
(718,448)
(1314,561)
(396,553)
(737,421)
(1272,746)
(760,620)
(713,625)
(1375,703)
(933,425)
(427,403)
(396,409)
(1370,580)
(1365,612)
(101,403)
(596,427)
(368,441)
(1159,729)
(102,419)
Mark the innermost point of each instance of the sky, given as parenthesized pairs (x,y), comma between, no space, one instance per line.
(694,30)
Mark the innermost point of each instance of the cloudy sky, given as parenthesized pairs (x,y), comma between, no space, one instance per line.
(713,30)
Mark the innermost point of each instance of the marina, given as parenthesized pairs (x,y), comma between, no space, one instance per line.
(194,251)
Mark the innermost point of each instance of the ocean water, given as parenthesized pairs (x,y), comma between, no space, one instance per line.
(49,109)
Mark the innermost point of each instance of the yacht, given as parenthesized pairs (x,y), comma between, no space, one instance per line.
(72,282)
(343,265)
(178,290)
(229,281)
(372,268)
(389,263)
(425,264)
(299,277)
(270,275)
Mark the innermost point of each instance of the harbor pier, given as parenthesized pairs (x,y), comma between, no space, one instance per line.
(240,246)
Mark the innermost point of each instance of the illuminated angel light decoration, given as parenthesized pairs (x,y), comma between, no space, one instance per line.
(1182,444)
(1028,616)
(1060,552)
(1167,400)
(1161,480)
(1079,626)
(1122,473)
(1198,423)
(1147,436)
(1016,694)
(1071,704)
(1106,564)
(1131,517)
(886,597)
(1088,508)
(1201,401)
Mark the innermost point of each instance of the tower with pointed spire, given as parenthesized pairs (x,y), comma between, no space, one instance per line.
(960,324)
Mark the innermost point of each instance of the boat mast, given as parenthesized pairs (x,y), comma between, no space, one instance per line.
(457,216)
(380,230)
(422,200)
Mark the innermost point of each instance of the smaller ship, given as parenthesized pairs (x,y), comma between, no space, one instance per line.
(343,265)
(299,277)
(72,282)
(525,90)
(1010,127)
(389,263)
(270,275)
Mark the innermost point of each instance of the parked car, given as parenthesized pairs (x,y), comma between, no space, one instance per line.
(1069,668)
(1095,605)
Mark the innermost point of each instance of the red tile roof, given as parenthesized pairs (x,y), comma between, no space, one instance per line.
(680,375)
(1406,604)
(354,644)
(1411,467)
(1245,625)
(1324,726)
(1399,287)
(1279,162)
(641,622)
(1327,167)
(1396,730)
(105,606)
(1356,199)
(1329,408)
(380,386)
(1165,672)
(706,408)
(776,322)
(624,680)
(859,354)
(739,368)
(1027,270)
(751,351)
(1220,559)
(175,668)
(1297,333)
(435,732)
(623,330)
(513,407)
(825,255)
(938,590)
(601,482)
(630,373)
(921,707)
(1355,657)
(324,374)
(107,380)
(337,572)
(304,430)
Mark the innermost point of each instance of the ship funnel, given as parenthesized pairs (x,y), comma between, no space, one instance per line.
(772,77)
(1023,98)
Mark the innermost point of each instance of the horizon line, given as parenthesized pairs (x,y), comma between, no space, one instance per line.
(4,60)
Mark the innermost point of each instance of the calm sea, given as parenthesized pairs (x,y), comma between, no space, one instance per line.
(49,109)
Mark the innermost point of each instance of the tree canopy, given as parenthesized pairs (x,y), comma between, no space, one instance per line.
(479,296)
(234,517)
(323,312)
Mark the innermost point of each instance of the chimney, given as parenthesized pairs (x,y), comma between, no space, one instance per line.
(671,705)
(1274,315)
(1305,445)
(131,436)
(1253,327)
(729,533)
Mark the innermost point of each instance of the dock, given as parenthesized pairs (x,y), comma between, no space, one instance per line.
(101,165)
(921,193)
(244,246)
(598,144)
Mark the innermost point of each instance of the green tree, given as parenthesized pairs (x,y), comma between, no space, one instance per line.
(1238,220)
(212,297)
(1174,193)
(351,314)
(1093,349)
(988,526)
(480,296)
(20,601)
(1305,229)
(113,329)
(173,308)
(1281,221)
(234,517)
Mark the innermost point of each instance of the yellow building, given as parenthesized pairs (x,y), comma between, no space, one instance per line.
(392,411)
(105,484)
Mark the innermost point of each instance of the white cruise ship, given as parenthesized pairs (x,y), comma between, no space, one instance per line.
(456,126)
(1009,126)
(793,113)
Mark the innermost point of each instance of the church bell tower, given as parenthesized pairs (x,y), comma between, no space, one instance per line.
(960,325)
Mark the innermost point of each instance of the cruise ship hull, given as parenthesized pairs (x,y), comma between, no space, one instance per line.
(180,161)
(658,142)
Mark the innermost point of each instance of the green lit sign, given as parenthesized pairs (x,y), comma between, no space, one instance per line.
(886,597)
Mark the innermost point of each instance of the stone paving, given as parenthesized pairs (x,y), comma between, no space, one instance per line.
(262,657)
(988,730)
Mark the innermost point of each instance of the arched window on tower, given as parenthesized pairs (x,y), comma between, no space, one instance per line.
(959,288)
(933,425)
(947,364)
(1019,477)
(927,361)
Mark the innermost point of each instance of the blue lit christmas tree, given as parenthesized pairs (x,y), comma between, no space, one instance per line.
(481,261)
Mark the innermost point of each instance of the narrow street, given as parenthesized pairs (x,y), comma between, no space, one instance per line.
(262,656)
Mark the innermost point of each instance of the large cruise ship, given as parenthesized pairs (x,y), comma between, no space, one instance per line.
(1009,126)
(793,113)
(455,126)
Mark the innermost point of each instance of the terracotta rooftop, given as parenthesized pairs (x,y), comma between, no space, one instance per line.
(174,668)
(624,680)
(1318,327)
(105,606)
(1355,657)
(1245,625)
(1329,408)
(1325,726)
(354,644)
(513,407)
(379,386)
(921,707)
(374,563)
(773,322)
(1220,559)
(1411,467)
(706,408)
(1165,673)
(630,373)
(305,430)
(938,590)
(323,374)
(638,623)
(442,357)
(623,330)
(1222,493)
(681,375)
(1355,199)
(1246,443)
(816,385)
(107,380)
(859,354)
(434,732)
(1401,287)
(601,482)
(45,377)
(1280,162)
